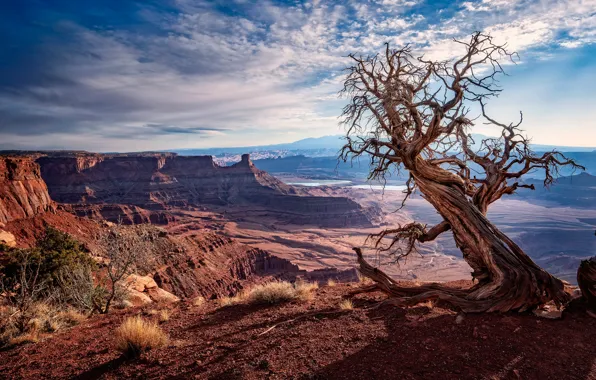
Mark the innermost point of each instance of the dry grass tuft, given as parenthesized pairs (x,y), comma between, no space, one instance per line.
(363,280)
(305,290)
(346,305)
(71,317)
(123,304)
(136,336)
(331,282)
(17,327)
(198,301)
(281,291)
(23,339)
(230,301)
(273,292)
(164,315)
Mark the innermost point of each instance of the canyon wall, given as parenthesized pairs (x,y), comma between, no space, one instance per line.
(213,266)
(158,181)
(23,193)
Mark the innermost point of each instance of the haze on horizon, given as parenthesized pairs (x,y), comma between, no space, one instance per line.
(131,75)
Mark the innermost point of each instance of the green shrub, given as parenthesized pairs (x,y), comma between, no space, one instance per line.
(58,270)
(54,252)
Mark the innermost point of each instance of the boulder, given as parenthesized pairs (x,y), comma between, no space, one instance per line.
(140,283)
(161,296)
(138,298)
(7,238)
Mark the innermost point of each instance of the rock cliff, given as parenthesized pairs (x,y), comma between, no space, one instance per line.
(212,266)
(23,193)
(157,181)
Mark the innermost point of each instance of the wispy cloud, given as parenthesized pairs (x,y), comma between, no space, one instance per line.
(202,73)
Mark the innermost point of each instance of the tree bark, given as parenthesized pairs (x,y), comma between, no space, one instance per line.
(586,280)
(508,280)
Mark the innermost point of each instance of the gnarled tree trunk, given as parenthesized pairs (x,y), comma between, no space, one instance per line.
(586,280)
(507,278)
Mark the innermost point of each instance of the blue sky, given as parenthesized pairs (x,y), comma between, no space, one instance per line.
(140,75)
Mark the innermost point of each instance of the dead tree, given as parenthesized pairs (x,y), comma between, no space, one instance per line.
(407,112)
(124,250)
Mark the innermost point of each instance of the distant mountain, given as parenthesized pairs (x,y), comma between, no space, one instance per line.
(573,191)
(581,180)
(317,146)
(541,147)
(332,144)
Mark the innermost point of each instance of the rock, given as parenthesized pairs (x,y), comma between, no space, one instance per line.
(165,179)
(23,192)
(459,319)
(549,311)
(161,296)
(143,290)
(7,238)
(140,283)
(138,298)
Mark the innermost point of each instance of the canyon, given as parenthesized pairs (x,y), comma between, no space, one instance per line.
(176,201)
(162,181)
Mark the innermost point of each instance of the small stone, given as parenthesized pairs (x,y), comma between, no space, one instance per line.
(459,319)
(549,311)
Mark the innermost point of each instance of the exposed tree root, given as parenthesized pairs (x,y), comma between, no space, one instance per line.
(480,298)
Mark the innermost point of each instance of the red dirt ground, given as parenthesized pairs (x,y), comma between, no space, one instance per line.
(322,342)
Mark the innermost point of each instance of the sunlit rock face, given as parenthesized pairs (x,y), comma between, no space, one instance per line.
(158,181)
(23,193)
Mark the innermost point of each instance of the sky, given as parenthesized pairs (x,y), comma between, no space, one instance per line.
(122,75)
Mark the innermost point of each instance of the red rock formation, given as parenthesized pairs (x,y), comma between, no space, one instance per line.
(117,213)
(23,193)
(155,181)
(212,266)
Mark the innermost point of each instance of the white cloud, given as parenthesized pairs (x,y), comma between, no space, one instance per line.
(273,69)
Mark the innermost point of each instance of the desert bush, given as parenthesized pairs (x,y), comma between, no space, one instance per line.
(54,252)
(346,305)
(331,282)
(136,336)
(124,252)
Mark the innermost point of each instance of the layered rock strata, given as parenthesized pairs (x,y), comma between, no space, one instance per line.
(157,181)
(23,192)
